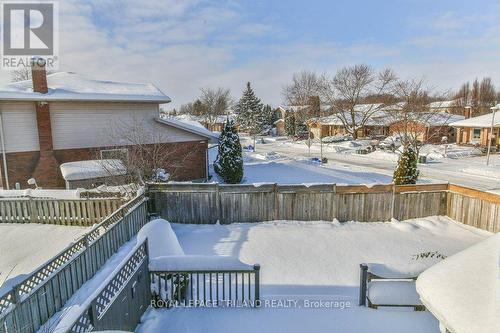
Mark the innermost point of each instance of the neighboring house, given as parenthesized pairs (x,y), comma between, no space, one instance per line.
(65,117)
(476,130)
(303,110)
(453,107)
(217,125)
(333,125)
(377,125)
(429,127)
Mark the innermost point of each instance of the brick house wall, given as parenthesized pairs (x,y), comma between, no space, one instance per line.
(189,162)
(432,134)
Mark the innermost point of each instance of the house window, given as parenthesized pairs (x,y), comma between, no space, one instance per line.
(476,134)
(115,154)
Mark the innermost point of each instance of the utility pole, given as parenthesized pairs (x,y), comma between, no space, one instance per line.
(490,137)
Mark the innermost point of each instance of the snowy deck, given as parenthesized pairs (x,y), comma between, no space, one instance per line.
(25,247)
(312,261)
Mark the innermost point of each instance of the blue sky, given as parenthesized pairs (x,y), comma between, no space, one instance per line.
(184,45)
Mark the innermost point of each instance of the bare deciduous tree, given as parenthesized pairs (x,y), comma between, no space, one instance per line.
(149,152)
(216,102)
(480,96)
(412,121)
(304,85)
(22,74)
(349,88)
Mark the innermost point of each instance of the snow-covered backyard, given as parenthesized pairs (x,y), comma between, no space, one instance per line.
(312,261)
(25,247)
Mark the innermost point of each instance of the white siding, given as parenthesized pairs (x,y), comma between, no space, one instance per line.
(86,125)
(19,126)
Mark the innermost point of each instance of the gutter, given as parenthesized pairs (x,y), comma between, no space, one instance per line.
(4,154)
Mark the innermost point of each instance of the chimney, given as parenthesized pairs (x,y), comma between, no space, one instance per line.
(46,171)
(39,75)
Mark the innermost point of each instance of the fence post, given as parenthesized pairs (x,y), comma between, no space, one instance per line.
(218,203)
(256,268)
(15,294)
(393,202)
(276,203)
(32,209)
(363,275)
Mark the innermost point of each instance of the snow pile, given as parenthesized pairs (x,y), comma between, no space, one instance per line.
(438,152)
(460,291)
(162,240)
(72,86)
(91,169)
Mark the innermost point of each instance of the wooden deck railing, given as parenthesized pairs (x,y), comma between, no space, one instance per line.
(206,287)
(30,303)
(77,212)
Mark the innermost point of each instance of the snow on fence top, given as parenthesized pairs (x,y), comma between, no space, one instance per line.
(483,121)
(92,169)
(462,291)
(42,193)
(68,86)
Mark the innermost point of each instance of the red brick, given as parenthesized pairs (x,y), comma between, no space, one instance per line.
(188,163)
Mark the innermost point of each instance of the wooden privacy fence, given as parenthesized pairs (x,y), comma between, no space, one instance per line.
(209,203)
(80,212)
(475,208)
(30,303)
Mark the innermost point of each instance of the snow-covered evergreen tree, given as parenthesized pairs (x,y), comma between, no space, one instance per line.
(406,172)
(229,162)
(268,114)
(290,123)
(249,111)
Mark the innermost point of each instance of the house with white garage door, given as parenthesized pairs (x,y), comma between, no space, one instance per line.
(66,117)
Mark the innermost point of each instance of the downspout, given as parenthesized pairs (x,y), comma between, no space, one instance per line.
(4,154)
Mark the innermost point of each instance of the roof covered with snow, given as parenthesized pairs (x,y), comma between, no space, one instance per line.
(91,169)
(69,86)
(386,118)
(191,126)
(483,121)
(462,292)
(444,104)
